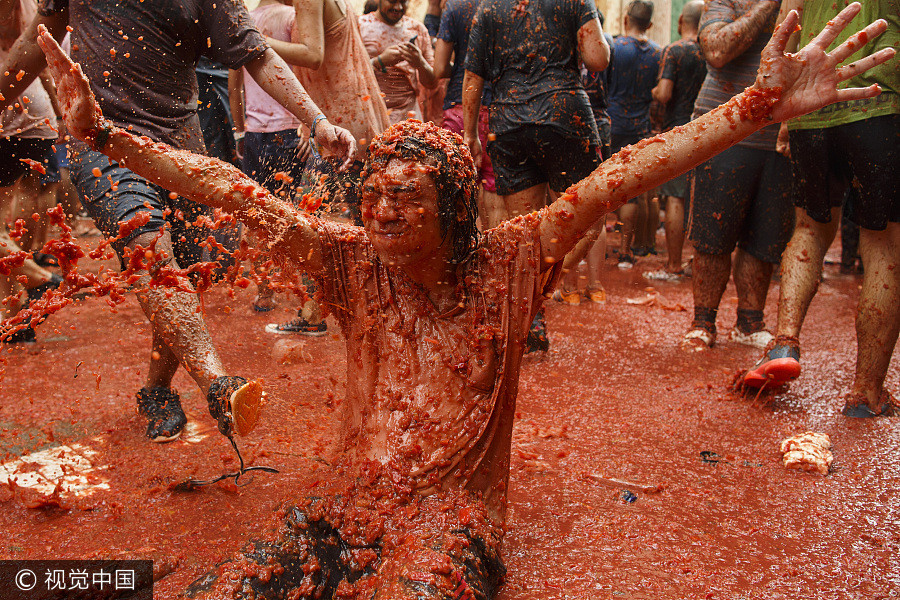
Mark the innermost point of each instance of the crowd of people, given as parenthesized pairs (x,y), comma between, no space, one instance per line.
(465,167)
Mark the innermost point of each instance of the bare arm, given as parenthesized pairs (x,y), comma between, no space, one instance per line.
(443,55)
(26,56)
(309,51)
(473,86)
(275,77)
(788,85)
(662,93)
(723,42)
(592,46)
(236,104)
(236,98)
(206,180)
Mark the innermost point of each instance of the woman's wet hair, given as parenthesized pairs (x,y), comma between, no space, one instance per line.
(454,176)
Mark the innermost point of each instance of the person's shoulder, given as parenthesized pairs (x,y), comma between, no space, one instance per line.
(412,24)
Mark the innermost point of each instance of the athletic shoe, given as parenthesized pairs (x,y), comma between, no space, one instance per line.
(626,261)
(777,366)
(856,407)
(298,326)
(537,336)
(22,336)
(698,339)
(53,283)
(571,298)
(758,339)
(44,260)
(162,408)
(597,296)
(640,251)
(664,275)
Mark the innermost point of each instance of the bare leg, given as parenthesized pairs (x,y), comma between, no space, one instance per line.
(878,316)
(674,232)
(595,257)
(178,329)
(711,273)
(751,278)
(628,216)
(492,209)
(802,270)
(46,199)
(651,223)
(526,201)
(24,204)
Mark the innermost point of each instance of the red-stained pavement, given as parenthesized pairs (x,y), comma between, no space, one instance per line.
(614,399)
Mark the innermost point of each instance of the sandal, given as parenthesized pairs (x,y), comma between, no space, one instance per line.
(596,295)
(572,298)
(235,404)
(777,366)
(856,407)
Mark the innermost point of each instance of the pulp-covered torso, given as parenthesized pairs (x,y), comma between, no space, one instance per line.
(431,395)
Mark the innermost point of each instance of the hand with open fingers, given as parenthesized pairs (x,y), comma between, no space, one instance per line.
(336,141)
(81,112)
(809,79)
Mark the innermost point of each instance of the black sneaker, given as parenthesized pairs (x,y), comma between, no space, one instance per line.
(53,283)
(162,408)
(45,260)
(299,326)
(22,336)
(537,340)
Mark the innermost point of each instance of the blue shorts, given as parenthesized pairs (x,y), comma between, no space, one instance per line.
(134,195)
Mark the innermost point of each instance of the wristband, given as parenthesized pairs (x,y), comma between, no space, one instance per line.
(101,137)
(239,135)
(313,145)
(381,62)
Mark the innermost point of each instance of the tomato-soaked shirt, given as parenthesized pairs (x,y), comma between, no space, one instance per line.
(432,395)
(724,83)
(140,56)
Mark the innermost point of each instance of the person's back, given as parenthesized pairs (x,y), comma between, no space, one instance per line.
(456,22)
(683,63)
(632,74)
(529,56)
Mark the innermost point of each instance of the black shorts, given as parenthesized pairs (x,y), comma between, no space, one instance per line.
(538,154)
(112,195)
(865,155)
(436,558)
(742,197)
(13,150)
